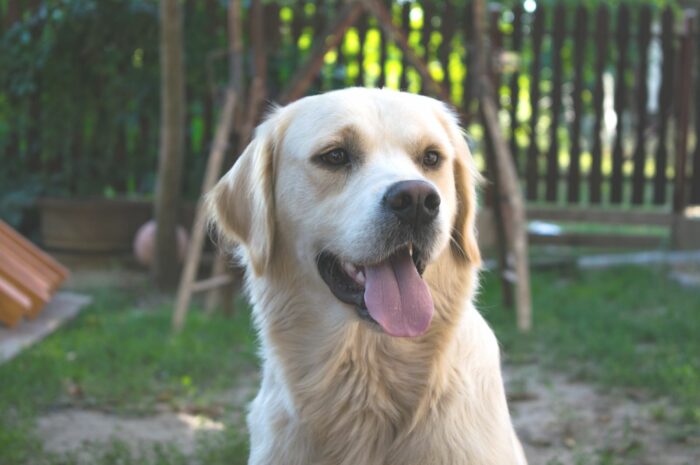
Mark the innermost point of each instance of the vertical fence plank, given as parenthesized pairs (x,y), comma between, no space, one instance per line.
(684,94)
(12,14)
(468,81)
(273,39)
(665,103)
(406,28)
(34,129)
(319,22)
(297,28)
(495,49)
(340,72)
(516,46)
(580,35)
(533,152)
(362,28)
(552,181)
(143,145)
(122,163)
(695,181)
(426,35)
(447,30)
(382,57)
(75,168)
(622,36)
(596,174)
(639,157)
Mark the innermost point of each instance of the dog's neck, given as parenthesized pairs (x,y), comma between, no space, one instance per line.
(339,369)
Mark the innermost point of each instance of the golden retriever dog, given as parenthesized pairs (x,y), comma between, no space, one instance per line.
(353,212)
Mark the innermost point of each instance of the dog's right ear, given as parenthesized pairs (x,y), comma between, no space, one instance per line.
(241,205)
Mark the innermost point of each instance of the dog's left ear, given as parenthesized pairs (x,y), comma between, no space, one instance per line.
(241,205)
(464,244)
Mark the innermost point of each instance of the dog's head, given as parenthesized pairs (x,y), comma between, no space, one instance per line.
(362,190)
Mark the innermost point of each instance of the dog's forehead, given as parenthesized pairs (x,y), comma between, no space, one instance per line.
(377,116)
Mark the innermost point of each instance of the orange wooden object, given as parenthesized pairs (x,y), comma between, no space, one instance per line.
(13,304)
(28,277)
(45,259)
(26,281)
(30,262)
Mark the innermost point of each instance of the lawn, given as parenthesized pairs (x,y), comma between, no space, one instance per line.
(624,328)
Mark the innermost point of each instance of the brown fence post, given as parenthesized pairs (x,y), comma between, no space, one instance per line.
(596,175)
(406,28)
(580,36)
(639,157)
(684,101)
(695,180)
(516,46)
(622,36)
(552,176)
(685,97)
(533,151)
(665,103)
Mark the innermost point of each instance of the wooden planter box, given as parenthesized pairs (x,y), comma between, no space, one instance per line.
(97,225)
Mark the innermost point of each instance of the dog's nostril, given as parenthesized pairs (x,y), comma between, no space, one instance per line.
(432,202)
(399,201)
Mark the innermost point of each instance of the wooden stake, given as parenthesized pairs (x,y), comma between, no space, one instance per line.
(194,251)
(223,295)
(510,196)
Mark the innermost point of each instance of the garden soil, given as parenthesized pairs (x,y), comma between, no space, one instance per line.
(560,422)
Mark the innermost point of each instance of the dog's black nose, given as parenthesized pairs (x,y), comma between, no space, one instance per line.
(413,202)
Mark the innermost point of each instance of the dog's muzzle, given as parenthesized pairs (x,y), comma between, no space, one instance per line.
(388,288)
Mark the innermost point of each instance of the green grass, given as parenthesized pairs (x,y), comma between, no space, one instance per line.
(629,328)
(119,356)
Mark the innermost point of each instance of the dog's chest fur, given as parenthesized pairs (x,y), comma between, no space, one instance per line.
(358,397)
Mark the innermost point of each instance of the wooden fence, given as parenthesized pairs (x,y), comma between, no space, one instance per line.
(590,99)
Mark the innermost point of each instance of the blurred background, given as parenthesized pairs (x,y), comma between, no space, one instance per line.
(108,116)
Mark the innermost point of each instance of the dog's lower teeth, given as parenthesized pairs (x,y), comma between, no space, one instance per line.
(360,278)
(349,268)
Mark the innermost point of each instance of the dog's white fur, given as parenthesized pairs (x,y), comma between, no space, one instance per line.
(335,390)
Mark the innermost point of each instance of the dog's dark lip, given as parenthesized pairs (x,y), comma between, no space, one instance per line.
(345,288)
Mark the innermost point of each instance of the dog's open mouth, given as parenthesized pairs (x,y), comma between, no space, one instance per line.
(390,293)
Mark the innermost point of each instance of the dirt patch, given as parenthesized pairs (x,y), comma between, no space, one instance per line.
(569,423)
(68,430)
(559,422)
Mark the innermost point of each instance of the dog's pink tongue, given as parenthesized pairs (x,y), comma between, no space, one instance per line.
(397,297)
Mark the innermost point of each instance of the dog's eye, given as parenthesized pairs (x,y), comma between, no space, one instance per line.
(335,157)
(431,158)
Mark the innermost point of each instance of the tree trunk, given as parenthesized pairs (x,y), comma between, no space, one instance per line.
(165,266)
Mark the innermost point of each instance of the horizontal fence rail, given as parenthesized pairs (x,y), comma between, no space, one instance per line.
(588,97)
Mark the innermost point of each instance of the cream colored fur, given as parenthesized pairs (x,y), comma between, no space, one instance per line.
(335,390)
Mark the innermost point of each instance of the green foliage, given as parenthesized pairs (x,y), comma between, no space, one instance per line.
(76,67)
